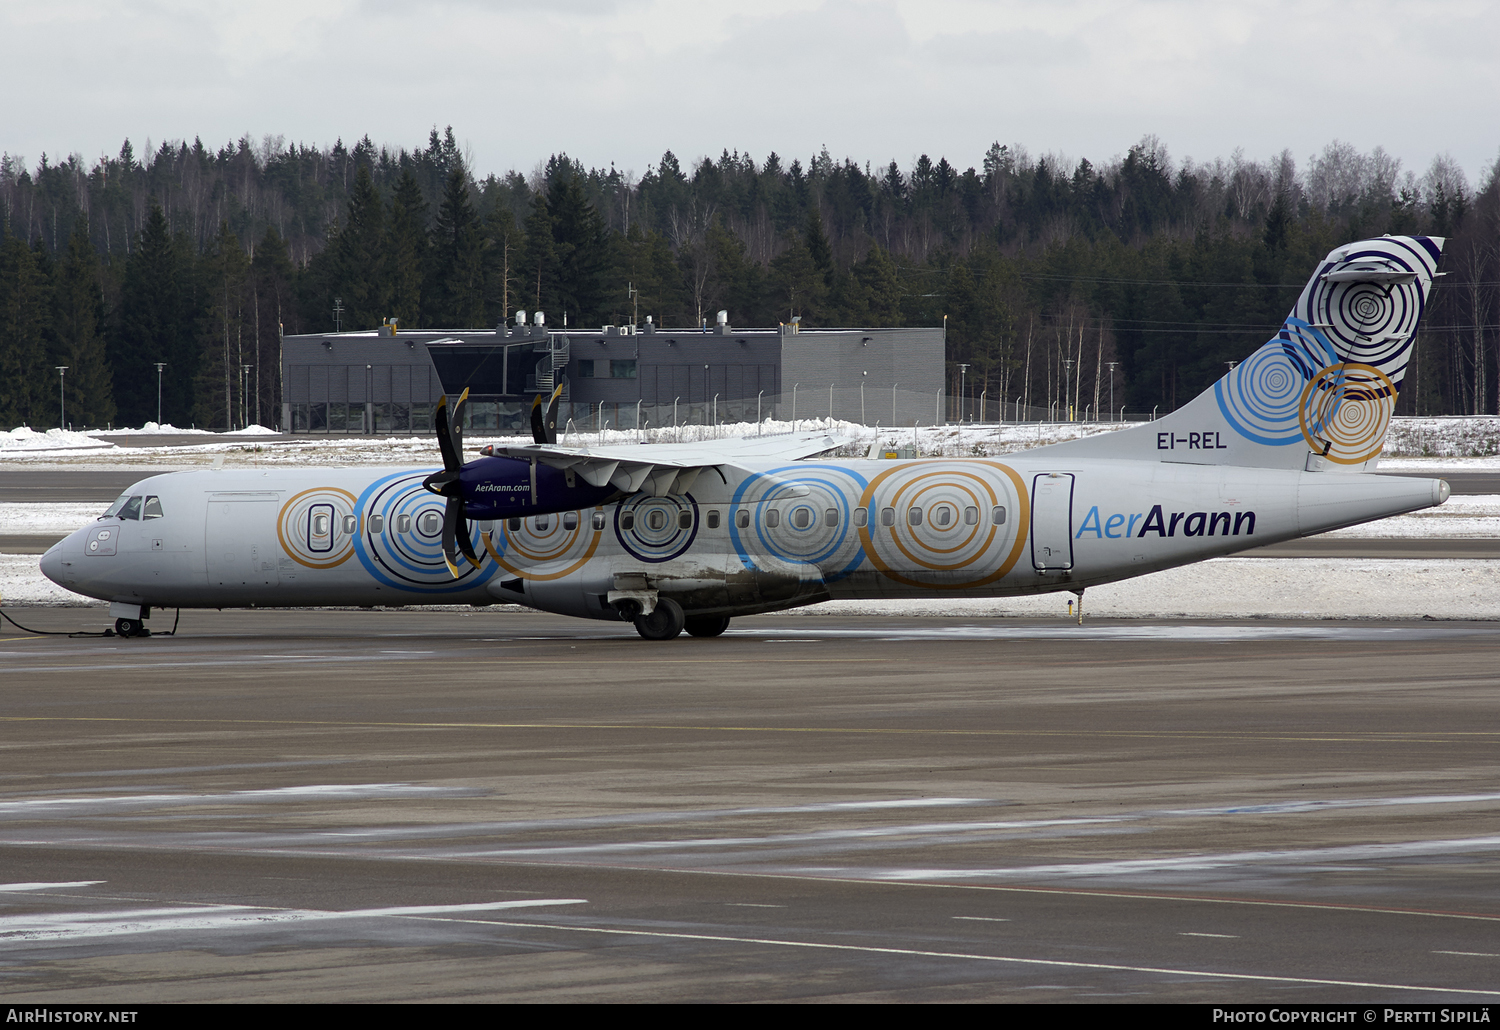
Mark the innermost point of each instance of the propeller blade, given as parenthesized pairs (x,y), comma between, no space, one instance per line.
(450,534)
(445,439)
(551,422)
(465,538)
(538,428)
(457,428)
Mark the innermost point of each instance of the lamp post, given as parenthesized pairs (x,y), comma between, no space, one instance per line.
(244,379)
(963,374)
(1067,378)
(1112,365)
(62,413)
(159,366)
(862,376)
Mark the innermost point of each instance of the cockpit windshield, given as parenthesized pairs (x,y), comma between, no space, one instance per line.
(128,507)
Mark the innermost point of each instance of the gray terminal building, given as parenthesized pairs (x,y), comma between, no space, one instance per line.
(617,377)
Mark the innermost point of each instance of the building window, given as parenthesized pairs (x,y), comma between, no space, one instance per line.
(586,369)
(622,369)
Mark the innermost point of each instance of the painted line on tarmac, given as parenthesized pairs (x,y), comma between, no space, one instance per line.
(1003,959)
(1441,737)
(15,888)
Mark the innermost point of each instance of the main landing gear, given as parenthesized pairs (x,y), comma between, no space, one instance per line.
(667,620)
(131,628)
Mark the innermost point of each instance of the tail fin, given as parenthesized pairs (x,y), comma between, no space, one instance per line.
(1319,396)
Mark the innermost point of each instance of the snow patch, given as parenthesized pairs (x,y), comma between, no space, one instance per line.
(24,438)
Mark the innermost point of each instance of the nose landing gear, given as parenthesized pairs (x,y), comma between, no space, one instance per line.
(131,628)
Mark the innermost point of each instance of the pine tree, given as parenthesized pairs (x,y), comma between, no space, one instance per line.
(407,252)
(24,374)
(158,303)
(78,307)
(456,287)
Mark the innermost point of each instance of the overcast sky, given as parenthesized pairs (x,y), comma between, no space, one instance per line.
(623,80)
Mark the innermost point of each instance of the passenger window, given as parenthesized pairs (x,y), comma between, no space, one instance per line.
(514,525)
(801,518)
(943,516)
(376,524)
(403,523)
(431,523)
(132,509)
(656,519)
(543,523)
(971,516)
(627,520)
(914,516)
(351,523)
(320,525)
(742,519)
(152,510)
(861,517)
(684,520)
(713,519)
(887,516)
(831,517)
(773,518)
(997,515)
(598,520)
(570,520)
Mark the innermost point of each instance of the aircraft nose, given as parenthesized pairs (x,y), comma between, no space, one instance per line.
(52,563)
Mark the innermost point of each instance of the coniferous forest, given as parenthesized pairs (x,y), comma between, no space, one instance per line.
(1051,274)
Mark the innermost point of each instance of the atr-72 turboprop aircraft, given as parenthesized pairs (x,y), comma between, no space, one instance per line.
(689,536)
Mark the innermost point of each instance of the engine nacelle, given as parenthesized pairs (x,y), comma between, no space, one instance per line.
(500,488)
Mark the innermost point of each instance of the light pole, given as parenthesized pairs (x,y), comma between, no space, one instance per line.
(794,406)
(830,404)
(159,366)
(62,413)
(893,403)
(1067,378)
(862,376)
(963,373)
(1112,365)
(245,408)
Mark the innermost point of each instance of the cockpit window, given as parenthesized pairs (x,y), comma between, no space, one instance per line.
(152,510)
(132,509)
(114,509)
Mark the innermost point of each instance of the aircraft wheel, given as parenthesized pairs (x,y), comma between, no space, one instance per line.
(707,625)
(664,622)
(131,628)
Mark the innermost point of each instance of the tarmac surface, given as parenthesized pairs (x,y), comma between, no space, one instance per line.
(472,805)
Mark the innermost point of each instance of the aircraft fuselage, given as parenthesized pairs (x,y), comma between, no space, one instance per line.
(744,540)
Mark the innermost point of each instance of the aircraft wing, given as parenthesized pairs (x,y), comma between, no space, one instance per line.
(665,468)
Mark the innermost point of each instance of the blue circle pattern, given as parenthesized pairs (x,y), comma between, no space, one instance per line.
(813,544)
(413,560)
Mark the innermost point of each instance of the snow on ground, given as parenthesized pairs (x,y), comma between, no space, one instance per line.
(39,519)
(23,438)
(158,429)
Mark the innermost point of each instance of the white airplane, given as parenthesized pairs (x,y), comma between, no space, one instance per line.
(675,537)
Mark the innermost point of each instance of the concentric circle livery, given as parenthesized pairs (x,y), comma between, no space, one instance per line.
(946,548)
(407,551)
(656,529)
(313,527)
(544,548)
(814,525)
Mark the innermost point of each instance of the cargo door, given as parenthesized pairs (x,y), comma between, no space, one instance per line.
(240,547)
